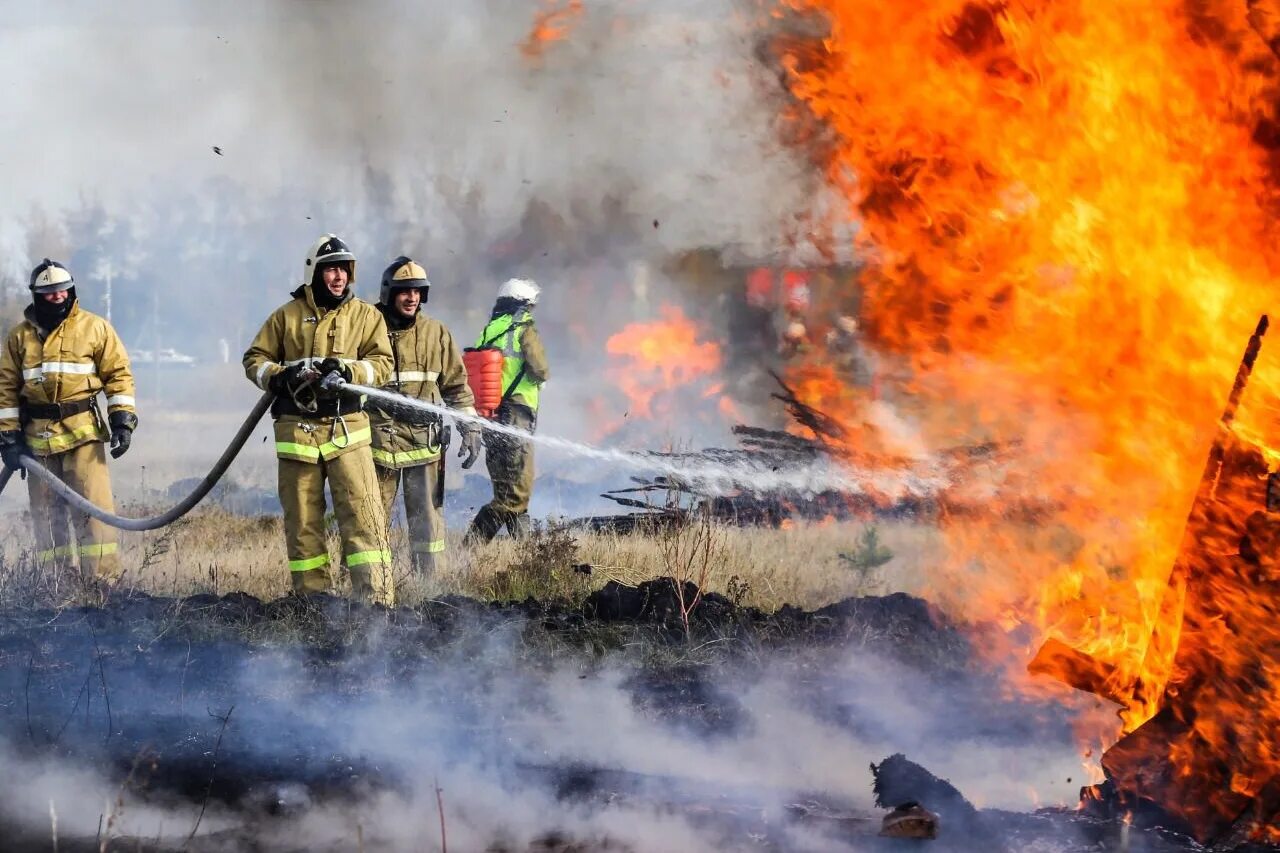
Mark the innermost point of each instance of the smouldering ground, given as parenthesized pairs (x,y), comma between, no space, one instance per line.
(807,565)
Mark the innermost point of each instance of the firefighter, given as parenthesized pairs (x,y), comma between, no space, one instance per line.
(524,371)
(426,365)
(53,366)
(325,435)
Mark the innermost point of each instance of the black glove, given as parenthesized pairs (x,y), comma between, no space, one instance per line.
(286,380)
(470,446)
(122,426)
(13,446)
(332,365)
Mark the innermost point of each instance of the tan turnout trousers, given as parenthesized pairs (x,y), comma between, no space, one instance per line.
(366,551)
(83,468)
(424,520)
(510,463)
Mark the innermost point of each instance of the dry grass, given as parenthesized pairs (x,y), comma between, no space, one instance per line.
(212,551)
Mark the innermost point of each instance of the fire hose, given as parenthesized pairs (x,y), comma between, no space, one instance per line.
(80,502)
(333,382)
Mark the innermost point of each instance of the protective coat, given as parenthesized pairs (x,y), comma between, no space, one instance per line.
(79,358)
(426,365)
(524,368)
(301,333)
(75,361)
(510,459)
(312,450)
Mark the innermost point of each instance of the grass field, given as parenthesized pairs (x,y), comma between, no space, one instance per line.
(807,565)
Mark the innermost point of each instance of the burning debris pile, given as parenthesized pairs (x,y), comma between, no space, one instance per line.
(815,439)
(1200,752)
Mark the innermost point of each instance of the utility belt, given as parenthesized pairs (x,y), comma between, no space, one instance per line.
(326,407)
(55,411)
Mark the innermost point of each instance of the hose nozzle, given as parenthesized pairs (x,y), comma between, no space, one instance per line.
(332,381)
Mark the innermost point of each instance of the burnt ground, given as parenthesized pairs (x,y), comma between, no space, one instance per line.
(548,727)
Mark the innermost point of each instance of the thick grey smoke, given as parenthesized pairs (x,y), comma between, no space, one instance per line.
(500,736)
(426,115)
(647,132)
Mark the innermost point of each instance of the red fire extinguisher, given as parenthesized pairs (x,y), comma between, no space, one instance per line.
(484,375)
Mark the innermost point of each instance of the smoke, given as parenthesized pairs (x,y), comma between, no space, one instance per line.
(927,477)
(522,744)
(430,108)
(421,125)
(646,133)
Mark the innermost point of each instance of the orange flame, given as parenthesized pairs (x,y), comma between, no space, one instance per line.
(659,356)
(1068,223)
(550,25)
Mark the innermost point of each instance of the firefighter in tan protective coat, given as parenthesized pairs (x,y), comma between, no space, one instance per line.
(426,365)
(53,366)
(325,436)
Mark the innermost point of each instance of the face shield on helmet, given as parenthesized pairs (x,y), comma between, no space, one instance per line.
(330,249)
(403,273)
(521,290)
(50,277)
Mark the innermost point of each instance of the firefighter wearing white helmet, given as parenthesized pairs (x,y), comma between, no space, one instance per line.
(524,371)
(52,369)
(426,365)
(325,436)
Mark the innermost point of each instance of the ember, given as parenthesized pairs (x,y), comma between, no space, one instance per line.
(552,24)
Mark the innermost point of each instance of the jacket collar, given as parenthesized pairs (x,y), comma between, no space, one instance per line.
(304,293)
(396,323)
(29,314)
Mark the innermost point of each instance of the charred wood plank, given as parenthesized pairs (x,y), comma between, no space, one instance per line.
(901,782)
(1079,670)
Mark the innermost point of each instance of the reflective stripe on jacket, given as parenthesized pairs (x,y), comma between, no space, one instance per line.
(80,357)
(426,365)
(521,347)
(301,333)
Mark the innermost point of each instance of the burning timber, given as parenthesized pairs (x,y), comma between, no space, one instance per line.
(1203,759)
(668,501)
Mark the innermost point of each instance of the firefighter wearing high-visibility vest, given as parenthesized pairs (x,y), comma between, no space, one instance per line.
(54,364)
(407,450)
(325,435)
(524,371)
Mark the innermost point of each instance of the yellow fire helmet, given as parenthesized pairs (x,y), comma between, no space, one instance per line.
(403,272)
(50,277)
(330,249)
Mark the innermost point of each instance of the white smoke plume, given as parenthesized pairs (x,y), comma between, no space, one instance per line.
(428,115)
(191,152)
(496,732)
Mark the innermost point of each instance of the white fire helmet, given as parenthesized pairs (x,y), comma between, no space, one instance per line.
(330,249)
(50,277)
(521,289)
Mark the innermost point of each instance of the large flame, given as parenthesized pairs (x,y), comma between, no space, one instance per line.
(662,356)
(1065,206)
